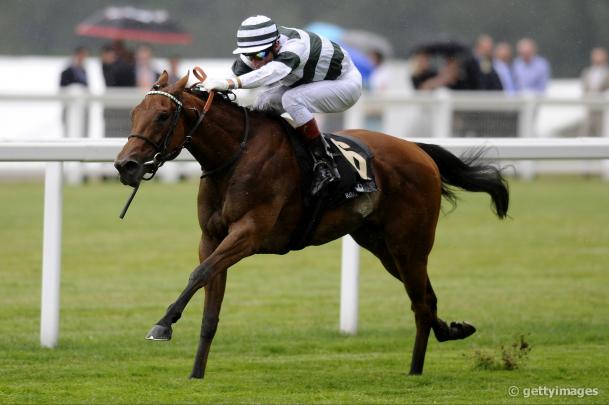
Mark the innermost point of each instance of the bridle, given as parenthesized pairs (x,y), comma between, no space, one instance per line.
(162,155)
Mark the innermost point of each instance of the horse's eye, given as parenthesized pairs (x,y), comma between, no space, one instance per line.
(162,117)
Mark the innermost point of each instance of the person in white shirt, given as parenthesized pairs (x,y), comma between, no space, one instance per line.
(595,80)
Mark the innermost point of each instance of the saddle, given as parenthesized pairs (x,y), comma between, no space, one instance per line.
(354,162)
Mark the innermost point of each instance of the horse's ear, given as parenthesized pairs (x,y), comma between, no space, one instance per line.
(181,84)
(163,80)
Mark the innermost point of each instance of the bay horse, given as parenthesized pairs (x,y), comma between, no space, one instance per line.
(250,200)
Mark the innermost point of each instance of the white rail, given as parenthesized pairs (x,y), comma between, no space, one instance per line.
(55,152)
(105,150)
(436,114)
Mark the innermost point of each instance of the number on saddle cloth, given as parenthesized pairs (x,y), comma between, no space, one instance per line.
(354,161)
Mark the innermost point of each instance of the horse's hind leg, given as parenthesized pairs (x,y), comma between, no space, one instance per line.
(443,331)
(373,240)
(413,273)
(214,293)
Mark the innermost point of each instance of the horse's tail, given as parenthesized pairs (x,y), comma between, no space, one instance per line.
(469,173)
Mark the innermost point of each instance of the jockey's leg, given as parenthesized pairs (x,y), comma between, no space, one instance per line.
(327,96)
(270,100)
(323,163)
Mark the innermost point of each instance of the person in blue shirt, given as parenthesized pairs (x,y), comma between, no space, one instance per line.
(531,71)
(502,63)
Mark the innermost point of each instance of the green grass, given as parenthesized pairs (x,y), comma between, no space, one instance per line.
(543,274)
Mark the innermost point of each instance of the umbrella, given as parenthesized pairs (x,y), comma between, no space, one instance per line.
(442,48)
(129,23)
(367,42)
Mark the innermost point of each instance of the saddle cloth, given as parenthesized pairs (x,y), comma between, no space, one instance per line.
(354,162)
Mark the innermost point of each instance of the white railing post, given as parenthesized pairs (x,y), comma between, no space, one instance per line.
(443,114)
(526,129)
(349,278)
(605,163)
(75,128)
(51,254)
(349,286)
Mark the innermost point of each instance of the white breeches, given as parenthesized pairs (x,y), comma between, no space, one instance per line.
(326,96)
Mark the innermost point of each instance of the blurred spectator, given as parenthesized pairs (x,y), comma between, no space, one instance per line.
(503,66)
(422,71)
(75,73)
(119,71)
(488,79)
(595,80)
(108,59)
(382,78)
(145,74)
(531,71)
(174,69)
(458,69)
(117,65)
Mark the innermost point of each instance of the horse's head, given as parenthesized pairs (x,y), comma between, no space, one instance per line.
(157,132)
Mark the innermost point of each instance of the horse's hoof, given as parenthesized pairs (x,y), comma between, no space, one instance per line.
(456,331)
(196,376)
(159,332)
(461,330)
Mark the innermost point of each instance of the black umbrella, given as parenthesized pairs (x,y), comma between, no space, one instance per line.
(129,23)
(443,48)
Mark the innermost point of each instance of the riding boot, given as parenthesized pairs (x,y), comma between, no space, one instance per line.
(324,167)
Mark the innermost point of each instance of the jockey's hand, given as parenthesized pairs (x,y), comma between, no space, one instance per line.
(213,83)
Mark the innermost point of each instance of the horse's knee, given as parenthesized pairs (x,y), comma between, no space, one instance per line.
(200,276)
(210,325)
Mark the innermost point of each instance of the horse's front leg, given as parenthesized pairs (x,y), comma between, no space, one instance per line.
(214,293)
(240,242)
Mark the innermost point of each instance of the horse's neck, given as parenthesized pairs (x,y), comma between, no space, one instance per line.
(219,135)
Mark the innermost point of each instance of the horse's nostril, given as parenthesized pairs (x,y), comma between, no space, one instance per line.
(129,166)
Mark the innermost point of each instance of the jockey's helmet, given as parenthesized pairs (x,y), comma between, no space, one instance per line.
(256,34)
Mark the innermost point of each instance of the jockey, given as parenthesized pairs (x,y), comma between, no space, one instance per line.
(306,73)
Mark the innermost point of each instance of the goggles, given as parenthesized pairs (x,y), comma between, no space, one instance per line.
(258,55)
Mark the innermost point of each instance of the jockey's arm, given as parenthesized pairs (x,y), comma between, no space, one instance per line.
(268,74)
(247,77)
